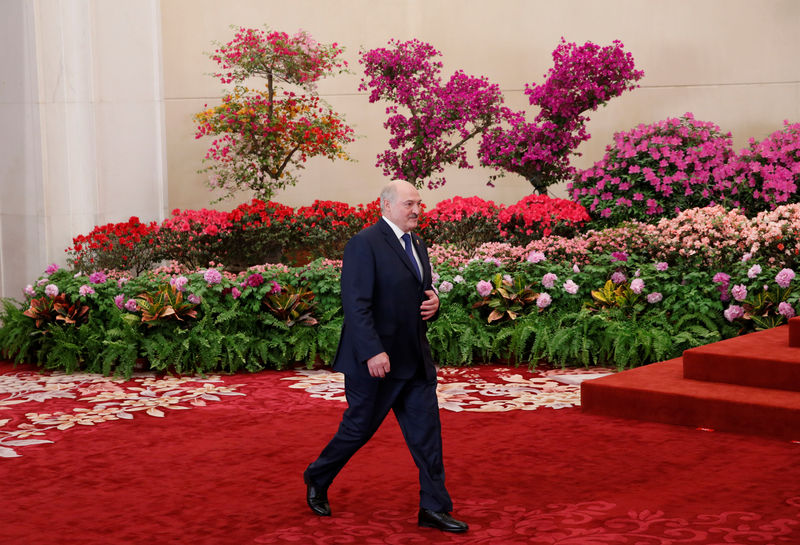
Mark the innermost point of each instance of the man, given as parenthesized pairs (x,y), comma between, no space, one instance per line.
(385,356)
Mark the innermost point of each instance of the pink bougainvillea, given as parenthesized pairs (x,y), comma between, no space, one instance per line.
(439,117)
(582,78)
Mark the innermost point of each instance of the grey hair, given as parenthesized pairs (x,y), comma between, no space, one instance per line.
(388,193)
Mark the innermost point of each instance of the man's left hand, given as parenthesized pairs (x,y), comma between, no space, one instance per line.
(430,305)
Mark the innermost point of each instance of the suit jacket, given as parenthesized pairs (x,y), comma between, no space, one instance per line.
(381,298)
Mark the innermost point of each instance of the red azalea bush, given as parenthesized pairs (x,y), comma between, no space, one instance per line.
(193,237)
(765,174)
(464,221)
(537,216)
(654,171)
(130,245)
(259,232)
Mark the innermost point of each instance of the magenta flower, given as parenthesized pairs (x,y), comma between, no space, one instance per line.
(29,290)
(733,312)
(784,277)
(662,266)
(98,277)
(276,288)
(179,283)
(484,288)
(131,305)
(544,300)
(212,276)
(119,300)
(122,281)
(549,280)
(739,292)
(618,277)
(571,287)
(254,280)
(654,298)
(535,257)
(51,290)
(235,293)
(619,256)
(721,278)
(51,269)
(445,287)
(785,309)
(194,299)
(637,285)
(86,290)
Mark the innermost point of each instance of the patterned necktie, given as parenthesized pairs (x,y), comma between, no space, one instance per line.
(407,242)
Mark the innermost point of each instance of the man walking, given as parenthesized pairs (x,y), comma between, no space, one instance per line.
(384,354)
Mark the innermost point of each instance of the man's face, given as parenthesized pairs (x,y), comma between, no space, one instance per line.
(404,211)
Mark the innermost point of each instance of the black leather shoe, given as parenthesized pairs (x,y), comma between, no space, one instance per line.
(441,521)
(317,498)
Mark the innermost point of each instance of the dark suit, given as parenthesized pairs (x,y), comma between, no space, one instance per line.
(381,297)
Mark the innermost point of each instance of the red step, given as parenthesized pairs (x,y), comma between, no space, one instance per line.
(659,392)
(762,359)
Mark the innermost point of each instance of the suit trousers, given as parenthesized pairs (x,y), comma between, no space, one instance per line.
(416,408)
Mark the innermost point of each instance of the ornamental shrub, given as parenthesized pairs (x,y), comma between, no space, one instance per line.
(464,221)
(537,216)
(654,171)
(262,138)
(129,245)
(441,118)
(765,174)
(193,237)
(582,79)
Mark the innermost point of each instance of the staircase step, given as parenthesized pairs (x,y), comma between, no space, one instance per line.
(762,359)
(659,393)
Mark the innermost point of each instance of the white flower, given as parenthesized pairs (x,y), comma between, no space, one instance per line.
(458,279)
(571,287)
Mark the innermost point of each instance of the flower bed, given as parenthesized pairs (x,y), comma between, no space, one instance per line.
(623,296)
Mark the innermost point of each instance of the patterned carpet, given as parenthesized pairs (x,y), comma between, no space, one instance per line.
(217,460)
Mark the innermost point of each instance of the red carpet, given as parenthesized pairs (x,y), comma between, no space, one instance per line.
(229,472)
(747,384)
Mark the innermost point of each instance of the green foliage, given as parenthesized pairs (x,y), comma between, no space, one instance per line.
(507,300)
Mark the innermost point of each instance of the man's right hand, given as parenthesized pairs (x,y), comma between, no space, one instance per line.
(378,365)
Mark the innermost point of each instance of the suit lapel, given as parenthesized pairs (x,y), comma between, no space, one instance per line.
(397,246)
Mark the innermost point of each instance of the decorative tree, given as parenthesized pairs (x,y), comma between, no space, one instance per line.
(441,117)
(261,139)
(582,79)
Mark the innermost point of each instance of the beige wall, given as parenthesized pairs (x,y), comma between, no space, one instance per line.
(733,62)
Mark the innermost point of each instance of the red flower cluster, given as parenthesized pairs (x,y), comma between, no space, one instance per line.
(258,213)
(459,208)
(259,231)
(537,216)
(114,243)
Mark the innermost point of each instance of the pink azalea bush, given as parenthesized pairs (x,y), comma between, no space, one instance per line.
(765,174)
(655,171)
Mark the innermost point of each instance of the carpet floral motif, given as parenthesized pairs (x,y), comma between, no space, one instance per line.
(476,389)
(590,523)
(83,399)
